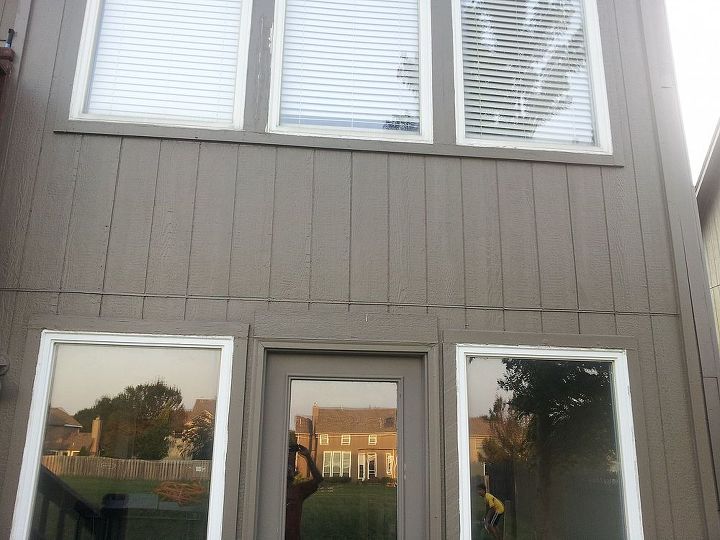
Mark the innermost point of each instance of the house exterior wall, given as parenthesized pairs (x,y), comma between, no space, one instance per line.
(157,228)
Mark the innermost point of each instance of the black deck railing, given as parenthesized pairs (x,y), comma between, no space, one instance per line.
(61,513)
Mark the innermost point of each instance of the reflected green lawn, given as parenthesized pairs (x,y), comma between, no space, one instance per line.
(350,511)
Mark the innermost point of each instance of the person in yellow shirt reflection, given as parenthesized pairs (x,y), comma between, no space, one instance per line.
(495,511)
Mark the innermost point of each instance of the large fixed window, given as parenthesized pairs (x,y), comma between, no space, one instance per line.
(163,62)
(357,68)
(529,74)
(559,451)
(126,434)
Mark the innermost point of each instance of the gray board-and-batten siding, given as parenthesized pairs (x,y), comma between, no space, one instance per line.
(163,229)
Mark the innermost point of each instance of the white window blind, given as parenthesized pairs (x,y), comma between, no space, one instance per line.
(167,59)
(526,72)
(351,65)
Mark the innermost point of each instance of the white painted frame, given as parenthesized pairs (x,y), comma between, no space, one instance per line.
(598,88)
(30,468)
(86,56)
(345,440)
(425,135)
(623,421)
(372,440)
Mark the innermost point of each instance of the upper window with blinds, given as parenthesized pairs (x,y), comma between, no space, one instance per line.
(529,75)
(173,62)
(352,68)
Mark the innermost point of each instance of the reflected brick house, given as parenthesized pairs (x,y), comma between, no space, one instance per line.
(355,443)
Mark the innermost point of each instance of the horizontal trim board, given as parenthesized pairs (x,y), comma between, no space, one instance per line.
(132,128)
(274,300)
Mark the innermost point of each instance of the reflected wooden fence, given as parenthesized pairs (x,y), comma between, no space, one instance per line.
(127,469)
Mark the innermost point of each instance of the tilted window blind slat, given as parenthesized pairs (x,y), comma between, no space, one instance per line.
(145,64)
(525,71)
(351,65)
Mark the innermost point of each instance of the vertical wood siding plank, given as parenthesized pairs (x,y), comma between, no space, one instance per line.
(329,275)
(252,234)
(651,196)
(658,485)
(523,321)
(601,324)
(132,217)
(26,129)
(481,224)
(169,253)
(292,216)
(408,276)
(521,280)
(80,304)
(169,309)
(44,252)
(485,319)
(678,428)
(206,309)
(369,229)
(123,307)
(625,241)
(446,262)
(210,244)
(592,258)
(554,234)
(560,322)
(449,318)
(12,439)
(89,228)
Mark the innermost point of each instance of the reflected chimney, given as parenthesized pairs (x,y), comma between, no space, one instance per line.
(95,432)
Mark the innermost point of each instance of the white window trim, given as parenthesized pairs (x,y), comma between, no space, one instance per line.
(323,439)
(372,440)
(425,134)
(623,418)
(596,72)
(86,53)
(345,440)
(29,471)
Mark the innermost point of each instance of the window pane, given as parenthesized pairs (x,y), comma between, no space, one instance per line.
(526,73)
(167,60)
(128,443)
(543,442)
(351,65)
(346,499)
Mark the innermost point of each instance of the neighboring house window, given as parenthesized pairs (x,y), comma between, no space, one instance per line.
(530,75)
(372,440)
(358,69)
(336,463)
(345,440)
(372,465)
(389,460)
(174,63)
(562,418)
(161,401)
(324,439)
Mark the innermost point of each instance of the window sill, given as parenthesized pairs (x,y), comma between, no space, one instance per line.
(92,127)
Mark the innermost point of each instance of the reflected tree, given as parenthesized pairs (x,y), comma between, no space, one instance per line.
(509,441)
(138,421)
(408,74)
(567,410)
(198,434)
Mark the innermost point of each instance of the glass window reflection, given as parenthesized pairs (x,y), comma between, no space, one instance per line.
(335,488)
(544,460)
(128,443)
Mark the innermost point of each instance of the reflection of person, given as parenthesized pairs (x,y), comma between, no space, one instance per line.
(298,492)
(494,514)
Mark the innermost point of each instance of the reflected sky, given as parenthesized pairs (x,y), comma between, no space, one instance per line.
(84,373)
(482,376)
